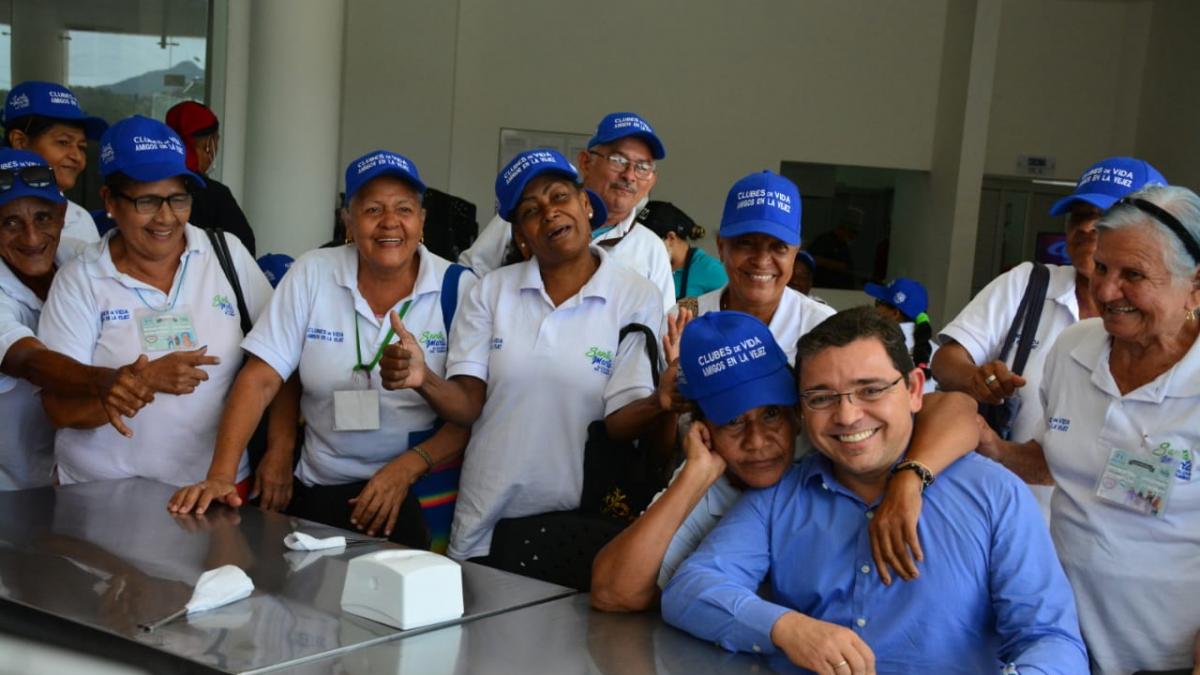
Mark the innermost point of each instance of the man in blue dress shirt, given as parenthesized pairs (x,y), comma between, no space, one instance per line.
(992,596)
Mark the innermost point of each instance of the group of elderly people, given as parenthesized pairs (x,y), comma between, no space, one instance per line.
(427,384)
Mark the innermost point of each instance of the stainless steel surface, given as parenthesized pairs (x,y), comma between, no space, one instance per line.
(109,556)
(562,637)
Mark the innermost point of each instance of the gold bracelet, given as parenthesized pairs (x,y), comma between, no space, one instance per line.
(425,456)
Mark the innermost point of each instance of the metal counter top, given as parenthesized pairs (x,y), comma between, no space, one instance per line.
(564,637)
(80,564)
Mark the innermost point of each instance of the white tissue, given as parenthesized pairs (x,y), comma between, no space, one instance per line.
(219,587)
(298,541)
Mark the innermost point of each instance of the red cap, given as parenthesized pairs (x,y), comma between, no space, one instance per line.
(186,119)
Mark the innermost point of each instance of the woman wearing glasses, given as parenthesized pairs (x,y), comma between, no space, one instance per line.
(213,205)
(45,117)
(152,290)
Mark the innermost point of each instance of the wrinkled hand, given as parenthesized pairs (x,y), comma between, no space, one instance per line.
(126,394)
(893,530)
(403,362)
(1005,384)
(669,398)
(990,443)
(699,454)
(824,648)
(377,507)
(197,498)
(178,372)
(273,480)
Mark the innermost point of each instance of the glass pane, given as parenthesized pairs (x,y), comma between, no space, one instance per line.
(115,75)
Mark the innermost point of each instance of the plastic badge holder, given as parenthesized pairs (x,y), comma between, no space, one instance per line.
(403,588)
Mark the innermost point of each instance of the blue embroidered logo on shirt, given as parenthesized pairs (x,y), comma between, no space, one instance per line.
(222,303)
(1059,424)
(601,360)
(324,335)
(114,315)
(434,343)
(497,343)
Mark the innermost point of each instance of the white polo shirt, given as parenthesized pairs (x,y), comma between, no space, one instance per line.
(27,437)
(310,324)
(1136,577)
(550,372)
(92,314)
(713,504)
(983,324)
(639,249)
(79,224)
(796,315)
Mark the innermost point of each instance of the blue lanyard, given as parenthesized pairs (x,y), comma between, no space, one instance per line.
(601,231)
(178,288)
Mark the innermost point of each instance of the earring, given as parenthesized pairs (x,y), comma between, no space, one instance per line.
(1192,313)
(590,214)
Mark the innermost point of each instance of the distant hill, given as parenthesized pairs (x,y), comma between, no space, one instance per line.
(151,82)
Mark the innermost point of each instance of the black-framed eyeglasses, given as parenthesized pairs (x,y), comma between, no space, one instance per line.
(825,399)
(150,204)
(642,168)
(33,176)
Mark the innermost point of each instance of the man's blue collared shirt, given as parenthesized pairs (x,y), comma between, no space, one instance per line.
(991,590)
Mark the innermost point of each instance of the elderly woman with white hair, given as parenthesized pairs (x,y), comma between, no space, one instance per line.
(1121,394)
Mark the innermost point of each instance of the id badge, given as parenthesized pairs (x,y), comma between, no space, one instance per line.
(165,332)
(1138,481)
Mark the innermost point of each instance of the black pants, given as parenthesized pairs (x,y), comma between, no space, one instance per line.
(330,504)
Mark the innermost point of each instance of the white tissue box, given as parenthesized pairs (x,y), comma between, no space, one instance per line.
(403,588)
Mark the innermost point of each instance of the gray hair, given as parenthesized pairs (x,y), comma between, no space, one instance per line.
(1175,200)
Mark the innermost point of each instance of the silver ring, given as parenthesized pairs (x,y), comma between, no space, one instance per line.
(843,664)
(990,379)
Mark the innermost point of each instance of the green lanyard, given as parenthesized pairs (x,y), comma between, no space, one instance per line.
(368,367)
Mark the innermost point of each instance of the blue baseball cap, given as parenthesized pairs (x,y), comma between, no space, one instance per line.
(906,295)
(1107,181)
(274,266)
(15,160)
(618,125)
(52,100)
(512,179)
(381,163)
(763,202)
(146,150)
(730,363)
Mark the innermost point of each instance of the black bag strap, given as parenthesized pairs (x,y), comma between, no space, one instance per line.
(687,267)
(651,346)
(221,248)
(1029,314)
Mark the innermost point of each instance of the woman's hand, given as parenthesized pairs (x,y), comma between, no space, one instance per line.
(377,507)
(893,529)
(126,393)
(699,454)
(197,498)
(669,398)
(273,480)
(990,444)
(178,372)
(403,362)
(993,382)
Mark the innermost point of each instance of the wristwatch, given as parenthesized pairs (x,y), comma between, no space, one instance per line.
(917,468)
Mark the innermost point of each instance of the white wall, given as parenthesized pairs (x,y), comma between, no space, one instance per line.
(1169,120)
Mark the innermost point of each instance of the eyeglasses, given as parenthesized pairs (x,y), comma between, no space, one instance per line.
(150,204)
(643,168)
(825,399)
(32,176)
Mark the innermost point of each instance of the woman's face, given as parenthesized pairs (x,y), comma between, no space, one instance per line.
(1138,298)
(552,220)
(64,148)
(386,221)
(29,232)
(759,267)
(154,236)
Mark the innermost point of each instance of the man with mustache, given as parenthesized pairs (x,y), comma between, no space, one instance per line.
(619,164)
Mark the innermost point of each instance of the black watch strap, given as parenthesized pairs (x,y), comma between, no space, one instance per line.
(917,468)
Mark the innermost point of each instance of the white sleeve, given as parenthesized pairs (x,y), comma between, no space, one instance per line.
(12,328)
(471,336)
(631,377)
(279,331)
(466,281)
(255,287)
(487,253)
(70,323)
(984,323)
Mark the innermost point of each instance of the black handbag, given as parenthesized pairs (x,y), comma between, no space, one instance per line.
(619,480)
(1029,313)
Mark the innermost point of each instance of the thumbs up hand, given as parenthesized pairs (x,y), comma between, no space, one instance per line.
(403,362)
